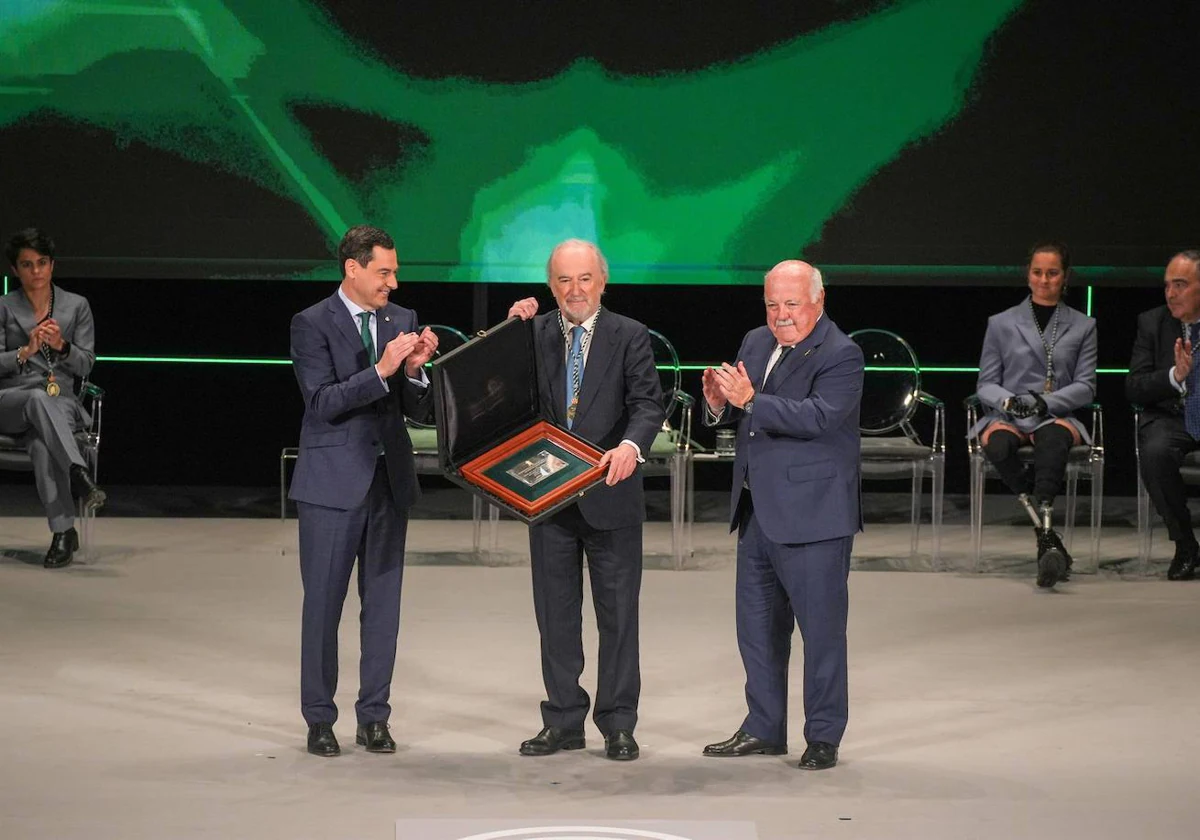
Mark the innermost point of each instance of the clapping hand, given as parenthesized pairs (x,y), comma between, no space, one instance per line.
(1183,360)
(395,352)
(47,332)
(425,350)
(732,383)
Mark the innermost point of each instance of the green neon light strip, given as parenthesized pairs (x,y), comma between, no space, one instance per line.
(212,360)
(191,360)
(1089,302)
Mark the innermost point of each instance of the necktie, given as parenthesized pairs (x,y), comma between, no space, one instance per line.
(1191,402)
(768,386)
(574,373)
(367,341)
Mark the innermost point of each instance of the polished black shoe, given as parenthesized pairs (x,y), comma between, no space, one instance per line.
(321,740)
(375,737)
(82,487)
(620,746)
(552,739)
(818,756)
(743,743)
(1183,564)
(63,546)
(1051,561)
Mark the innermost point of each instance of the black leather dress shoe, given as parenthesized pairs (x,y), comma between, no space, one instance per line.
(620,746)
(375,737)
(818,756)
(743,743)
(321,740)
(82,487)
(1183,564)
(552,739)
(63,546)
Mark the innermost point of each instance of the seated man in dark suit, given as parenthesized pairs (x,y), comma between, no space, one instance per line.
(47,346)
(1165,380)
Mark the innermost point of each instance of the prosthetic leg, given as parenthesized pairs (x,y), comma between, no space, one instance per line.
(1053,561)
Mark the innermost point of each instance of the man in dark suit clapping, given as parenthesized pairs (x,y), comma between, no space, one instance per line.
(1165,380)
(358,360)
(794,393)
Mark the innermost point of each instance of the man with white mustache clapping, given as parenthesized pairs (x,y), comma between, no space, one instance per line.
(794,394)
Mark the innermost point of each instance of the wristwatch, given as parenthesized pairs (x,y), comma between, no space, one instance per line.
(748,407)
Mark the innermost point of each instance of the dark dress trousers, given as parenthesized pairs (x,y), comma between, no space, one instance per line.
(620,399)
(354,483)
(796,506)
(1162,439)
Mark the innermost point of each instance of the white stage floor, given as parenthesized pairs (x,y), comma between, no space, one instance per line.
(151,692)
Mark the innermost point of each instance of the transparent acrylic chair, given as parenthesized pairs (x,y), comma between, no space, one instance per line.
(1146,515)
(891,446)
(669,453)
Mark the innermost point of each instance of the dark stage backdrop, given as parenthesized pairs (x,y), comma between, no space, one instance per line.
(196,159)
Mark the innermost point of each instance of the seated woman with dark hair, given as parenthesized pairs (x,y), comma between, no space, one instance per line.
(47,345)
(1038,366)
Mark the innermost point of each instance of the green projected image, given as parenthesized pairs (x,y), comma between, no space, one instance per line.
(690,177)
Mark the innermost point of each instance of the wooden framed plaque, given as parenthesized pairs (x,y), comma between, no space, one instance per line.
(493,437)
(537,469)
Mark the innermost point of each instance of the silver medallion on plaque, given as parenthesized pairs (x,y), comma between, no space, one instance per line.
(537,469)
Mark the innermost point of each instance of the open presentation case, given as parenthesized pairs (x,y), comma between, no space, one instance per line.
(492,436)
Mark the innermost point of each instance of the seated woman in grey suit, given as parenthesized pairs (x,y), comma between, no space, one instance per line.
(1038,366)
(46,347)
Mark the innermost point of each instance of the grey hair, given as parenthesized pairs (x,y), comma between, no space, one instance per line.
(583,243)
(1192,254)
(816,284)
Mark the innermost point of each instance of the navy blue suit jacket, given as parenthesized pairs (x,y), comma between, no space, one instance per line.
(348,413)
(799,448)
(620,398)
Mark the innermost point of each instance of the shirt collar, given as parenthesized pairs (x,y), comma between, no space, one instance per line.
(354,308)
(587,325)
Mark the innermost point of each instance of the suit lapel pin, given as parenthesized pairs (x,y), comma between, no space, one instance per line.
(387,317)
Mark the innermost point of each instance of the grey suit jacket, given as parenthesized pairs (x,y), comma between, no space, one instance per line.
(1014,362)
(74,317)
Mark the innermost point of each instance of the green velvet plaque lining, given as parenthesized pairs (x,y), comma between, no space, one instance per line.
(543,456)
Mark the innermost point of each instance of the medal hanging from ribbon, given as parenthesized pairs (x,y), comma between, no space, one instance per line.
(579,339)
(1048,386)
(52,386)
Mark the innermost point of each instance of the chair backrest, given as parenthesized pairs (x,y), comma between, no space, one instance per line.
(891,381)
(449,339)
(669,373)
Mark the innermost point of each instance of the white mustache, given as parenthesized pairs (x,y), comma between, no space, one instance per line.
(785,322)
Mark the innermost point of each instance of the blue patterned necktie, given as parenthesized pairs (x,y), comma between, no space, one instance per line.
(574,373)
(1191,402)
(367,341)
